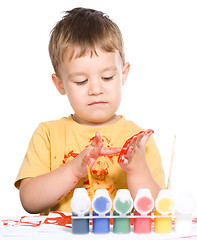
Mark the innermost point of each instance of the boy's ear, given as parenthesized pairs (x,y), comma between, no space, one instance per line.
(125,72)
(58,84)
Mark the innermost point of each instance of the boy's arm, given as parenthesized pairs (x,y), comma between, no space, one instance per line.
(44,191)
(133,162)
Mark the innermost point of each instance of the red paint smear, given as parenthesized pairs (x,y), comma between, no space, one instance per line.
(87,182)
(107,140)
(111,158)
(100,173)
(124,150)
(63,220)
(9,222)
(91,139)
(126,145)
(70,154)
(60,197)
(21,222)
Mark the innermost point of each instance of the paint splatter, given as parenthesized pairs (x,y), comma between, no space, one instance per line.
(21,222)
(60,220)
(68,155)
(60,197)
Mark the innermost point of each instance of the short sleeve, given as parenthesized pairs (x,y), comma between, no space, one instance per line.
(37,160)
(154,161)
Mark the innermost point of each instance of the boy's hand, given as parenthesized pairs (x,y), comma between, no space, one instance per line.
(90,154)
(132,156)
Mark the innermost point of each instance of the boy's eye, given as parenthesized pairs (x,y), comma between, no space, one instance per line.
(81,82)
(107,78)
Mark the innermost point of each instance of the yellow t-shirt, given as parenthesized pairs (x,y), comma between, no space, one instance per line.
(56,142)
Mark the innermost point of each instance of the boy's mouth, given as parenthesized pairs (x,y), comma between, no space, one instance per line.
(97,103)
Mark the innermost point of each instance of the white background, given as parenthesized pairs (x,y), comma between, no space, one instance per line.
(160,93)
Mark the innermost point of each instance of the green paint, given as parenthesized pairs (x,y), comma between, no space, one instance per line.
(121,225)
(122,207)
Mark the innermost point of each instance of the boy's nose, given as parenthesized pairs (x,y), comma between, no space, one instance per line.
(95,87)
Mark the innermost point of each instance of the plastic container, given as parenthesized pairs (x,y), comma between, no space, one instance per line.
(123,204)
(143,204)
(80,204)
(185,206)
(164,205)
(101,205)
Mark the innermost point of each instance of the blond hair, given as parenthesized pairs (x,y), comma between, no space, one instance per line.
(86,30)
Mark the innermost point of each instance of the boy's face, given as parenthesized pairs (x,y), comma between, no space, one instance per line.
(93,86)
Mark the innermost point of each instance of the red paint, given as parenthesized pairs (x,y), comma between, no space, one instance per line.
(68,155)
(124,151)
(131,149)
(110,157)
(125,147)
(21,222)
(94,171)
(91,139)
(107,140)
(87,182)
(149,131)
(62,220)
(142,225)
(134,138)
(100,173)
(60,197)
(144,204)
(10,222)
(74,154)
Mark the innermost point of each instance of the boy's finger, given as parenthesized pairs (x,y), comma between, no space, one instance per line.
(96,151)
(97,139)
(109,151)
(124,161)
(140,135)
(130,152)
(146,136)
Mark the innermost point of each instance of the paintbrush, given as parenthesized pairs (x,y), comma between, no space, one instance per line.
(171,163)
(90,181)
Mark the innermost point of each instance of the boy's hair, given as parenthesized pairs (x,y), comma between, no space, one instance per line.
(81,31)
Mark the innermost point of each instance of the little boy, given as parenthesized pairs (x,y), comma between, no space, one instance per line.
(86,50)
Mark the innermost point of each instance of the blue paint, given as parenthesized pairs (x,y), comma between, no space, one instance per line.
(101,204)
(80,226)
(101,225)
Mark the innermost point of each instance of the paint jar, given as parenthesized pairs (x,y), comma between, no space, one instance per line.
(80,204)
(185,206)
(164,206)
(101,205)
(123,204)
(143,204)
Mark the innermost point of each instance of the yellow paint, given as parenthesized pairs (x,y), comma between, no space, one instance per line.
(165,205)
(162,224)
(90,181)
